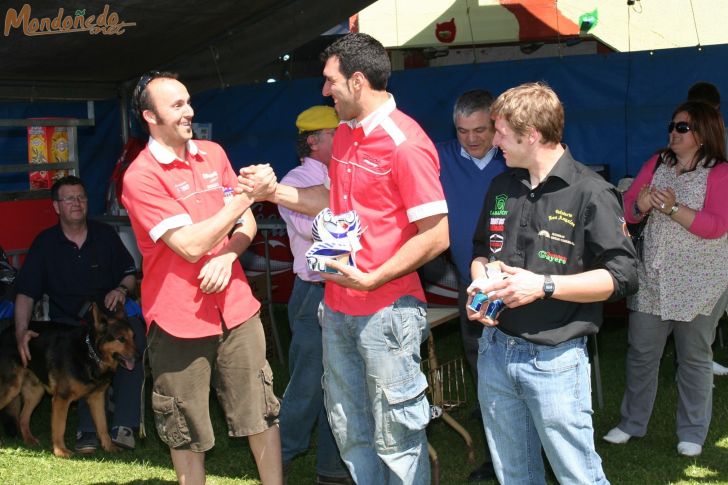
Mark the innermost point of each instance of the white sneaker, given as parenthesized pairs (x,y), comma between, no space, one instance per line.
(616,436)
(719,370)
(686,448)
(123,437)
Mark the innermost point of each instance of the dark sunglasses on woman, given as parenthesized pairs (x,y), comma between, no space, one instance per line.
(680,127)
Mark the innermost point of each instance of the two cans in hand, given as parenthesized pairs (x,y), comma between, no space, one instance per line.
(491,311)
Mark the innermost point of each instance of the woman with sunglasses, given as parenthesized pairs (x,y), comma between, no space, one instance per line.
(683,274)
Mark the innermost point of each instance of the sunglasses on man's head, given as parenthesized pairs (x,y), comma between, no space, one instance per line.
(680,127)
(145,79)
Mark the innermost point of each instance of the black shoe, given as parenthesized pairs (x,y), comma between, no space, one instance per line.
(86,442)
(482,473)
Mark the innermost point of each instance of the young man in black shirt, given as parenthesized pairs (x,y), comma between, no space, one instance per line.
(557,230)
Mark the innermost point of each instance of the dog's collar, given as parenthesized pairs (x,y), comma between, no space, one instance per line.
(91,352)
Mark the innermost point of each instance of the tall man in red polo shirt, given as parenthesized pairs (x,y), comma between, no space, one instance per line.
(386,168)
(203,319)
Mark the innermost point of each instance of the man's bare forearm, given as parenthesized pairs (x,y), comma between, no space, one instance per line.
(128,281)
(194,241)
(23,312)
(307,200)
(243,235)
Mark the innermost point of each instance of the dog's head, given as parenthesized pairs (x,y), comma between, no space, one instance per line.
(113,336)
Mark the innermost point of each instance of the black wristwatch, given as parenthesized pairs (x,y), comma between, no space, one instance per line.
(636,210)
(548,286)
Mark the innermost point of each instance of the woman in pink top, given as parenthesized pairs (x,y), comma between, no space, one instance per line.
(683,274)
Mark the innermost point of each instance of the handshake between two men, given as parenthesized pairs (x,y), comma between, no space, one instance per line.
(260,183)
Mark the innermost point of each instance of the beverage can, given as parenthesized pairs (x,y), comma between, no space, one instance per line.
(494,308)
(490,309)
(484,303)
(479,299)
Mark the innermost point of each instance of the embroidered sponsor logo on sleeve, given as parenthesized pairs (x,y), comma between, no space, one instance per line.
(500,206)
(496,243)
(497,224)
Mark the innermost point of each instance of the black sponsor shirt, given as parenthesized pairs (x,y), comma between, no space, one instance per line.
(570,223)
(72,276)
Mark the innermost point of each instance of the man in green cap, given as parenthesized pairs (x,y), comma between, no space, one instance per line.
(303,403)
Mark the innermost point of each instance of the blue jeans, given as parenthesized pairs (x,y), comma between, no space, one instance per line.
(127,388)
(537,395)
(375,392)
(303,401)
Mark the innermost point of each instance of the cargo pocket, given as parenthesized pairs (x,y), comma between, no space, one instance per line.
(403,325)
(406,412)
(271,404)
(171,424)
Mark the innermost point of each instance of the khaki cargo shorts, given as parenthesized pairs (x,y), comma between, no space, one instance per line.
(183,370)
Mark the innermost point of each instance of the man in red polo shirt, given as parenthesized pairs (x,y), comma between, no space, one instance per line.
(203,319)
(386,168)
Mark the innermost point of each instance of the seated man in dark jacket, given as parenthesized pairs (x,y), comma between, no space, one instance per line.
(75,262)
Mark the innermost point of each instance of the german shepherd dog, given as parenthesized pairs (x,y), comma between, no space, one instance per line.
(69,362)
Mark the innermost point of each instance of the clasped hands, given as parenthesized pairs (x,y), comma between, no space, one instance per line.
(257,181)
(661,200)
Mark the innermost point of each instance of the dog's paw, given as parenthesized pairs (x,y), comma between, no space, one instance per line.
(31,441)
(28,437)
(110,447)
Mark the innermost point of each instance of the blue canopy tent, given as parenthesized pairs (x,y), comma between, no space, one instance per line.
(617,106)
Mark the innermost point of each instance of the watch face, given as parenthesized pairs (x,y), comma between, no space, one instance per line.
(548,287)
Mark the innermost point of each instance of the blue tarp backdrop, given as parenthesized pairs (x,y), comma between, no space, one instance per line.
(617,109)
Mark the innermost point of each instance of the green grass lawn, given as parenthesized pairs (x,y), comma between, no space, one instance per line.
(646,461)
